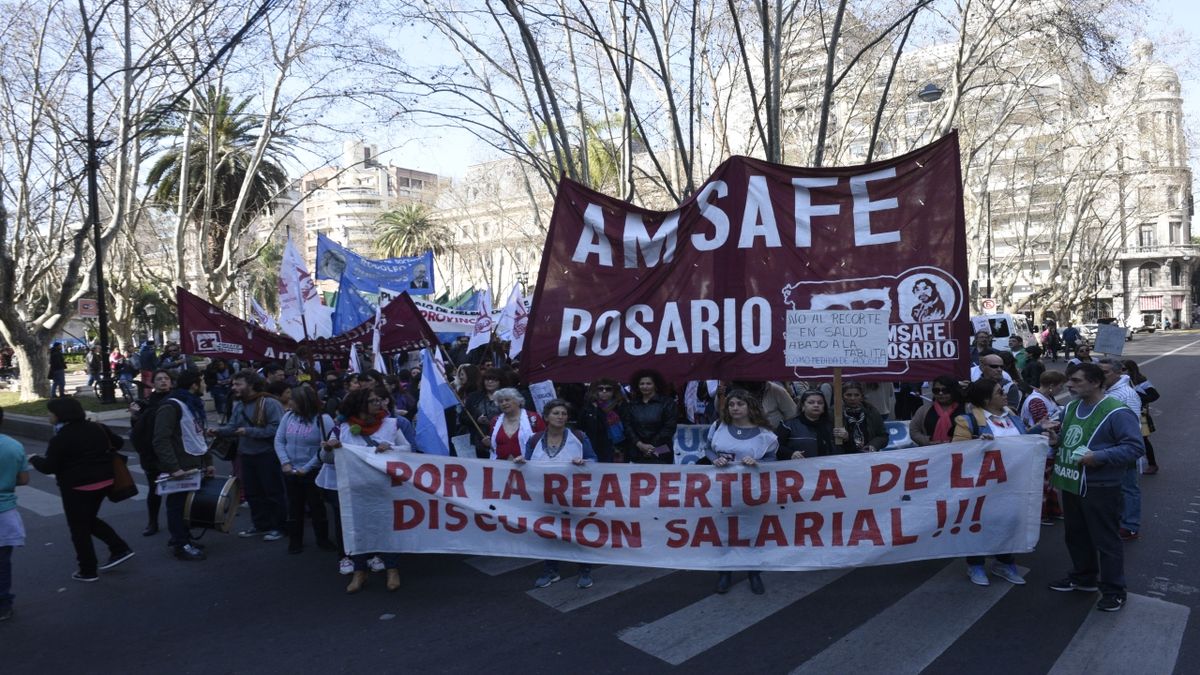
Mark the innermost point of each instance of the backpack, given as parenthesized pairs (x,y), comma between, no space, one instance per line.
(142,433)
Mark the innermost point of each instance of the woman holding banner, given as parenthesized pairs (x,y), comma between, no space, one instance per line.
(742,436)
(364,421)
(650,420)
(562,445)
(513,427)
(809,434)
(987,416)
(600,419)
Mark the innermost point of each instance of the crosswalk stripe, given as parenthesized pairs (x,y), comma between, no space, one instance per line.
(609,580)
(1107,642)
(675,638)
(39,501)
(936,613)
(494,566)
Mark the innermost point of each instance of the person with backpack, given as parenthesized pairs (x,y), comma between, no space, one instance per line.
(558,444)
(253,422)
(142,436)
(988,417)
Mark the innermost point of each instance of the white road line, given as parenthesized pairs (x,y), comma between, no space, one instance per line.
(937,612)
(1149,361)
(495,566)
(1103,643)
(679,636)
(609,580)
(39,501)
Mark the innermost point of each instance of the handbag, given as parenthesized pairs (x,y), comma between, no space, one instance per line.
(224,447)
(123,486)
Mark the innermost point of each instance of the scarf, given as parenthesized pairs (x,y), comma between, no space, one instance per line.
(524,433)
(857,422)
(616,430)
(367,426)
(944,427)
(194,403)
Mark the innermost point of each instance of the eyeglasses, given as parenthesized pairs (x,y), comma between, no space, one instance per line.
(992,365)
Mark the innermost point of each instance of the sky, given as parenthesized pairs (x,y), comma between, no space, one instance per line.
(1174,27)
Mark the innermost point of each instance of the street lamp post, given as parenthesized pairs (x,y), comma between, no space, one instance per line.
(150,310)
(523,279)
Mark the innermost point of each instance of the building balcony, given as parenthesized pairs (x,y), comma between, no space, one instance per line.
(1158,252)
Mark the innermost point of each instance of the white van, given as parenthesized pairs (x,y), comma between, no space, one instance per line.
(1003,326)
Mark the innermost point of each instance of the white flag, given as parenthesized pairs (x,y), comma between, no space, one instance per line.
(520,325)
(355,367)
(379,364)
(301,313)
(482,333)
(262,317)
(504,326)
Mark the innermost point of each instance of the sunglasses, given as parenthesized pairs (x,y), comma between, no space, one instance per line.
(940,390)
(992,365)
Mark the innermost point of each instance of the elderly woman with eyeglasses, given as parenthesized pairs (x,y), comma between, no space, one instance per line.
(600,420)
(933,422)
(513,427)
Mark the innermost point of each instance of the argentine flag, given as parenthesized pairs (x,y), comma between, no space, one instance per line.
(435,397)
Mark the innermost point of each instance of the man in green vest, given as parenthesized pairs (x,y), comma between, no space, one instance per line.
(1099,438)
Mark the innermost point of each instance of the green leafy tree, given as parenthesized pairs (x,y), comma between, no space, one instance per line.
(409,231)
(220,149)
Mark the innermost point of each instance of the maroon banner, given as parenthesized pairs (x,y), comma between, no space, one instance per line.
(208,330)
(720,287)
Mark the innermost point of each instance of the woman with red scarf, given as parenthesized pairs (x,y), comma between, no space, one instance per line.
(364,420)
(933,422)
(513,427)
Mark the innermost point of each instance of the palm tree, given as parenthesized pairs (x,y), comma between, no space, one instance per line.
(262,276)
(234,133)
(410,231)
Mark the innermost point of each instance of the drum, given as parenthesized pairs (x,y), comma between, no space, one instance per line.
(214,505)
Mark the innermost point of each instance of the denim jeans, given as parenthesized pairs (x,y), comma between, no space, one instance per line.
(58,383)
(262,479)
(1131,514)
(6,596)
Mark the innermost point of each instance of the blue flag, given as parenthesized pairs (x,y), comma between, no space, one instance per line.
(352,308)
(436,395)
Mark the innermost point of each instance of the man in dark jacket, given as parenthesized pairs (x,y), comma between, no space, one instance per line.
(58,371)
(180,447)
(1099,439)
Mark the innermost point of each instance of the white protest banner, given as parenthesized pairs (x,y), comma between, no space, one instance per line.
(691,440)
(542,393)
(945,501)
(836,338)
(1110,339)
(462,445)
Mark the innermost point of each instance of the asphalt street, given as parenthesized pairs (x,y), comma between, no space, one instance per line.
(252,608)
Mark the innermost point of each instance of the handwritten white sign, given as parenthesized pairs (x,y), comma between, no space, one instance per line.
(837,338)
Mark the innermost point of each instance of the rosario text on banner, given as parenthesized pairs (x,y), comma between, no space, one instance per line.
(972,498)
(768,272)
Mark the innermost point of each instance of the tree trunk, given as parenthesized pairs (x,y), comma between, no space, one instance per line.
(35,367)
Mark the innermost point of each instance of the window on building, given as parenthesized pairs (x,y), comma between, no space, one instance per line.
(1147,235)
(1172,196)
(1144,197)
(1175,230)
(1148,275)
(1176,274)
(1143,123)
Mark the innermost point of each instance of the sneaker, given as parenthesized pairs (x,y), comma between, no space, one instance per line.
(756,584)
(345,566)
(1127,535)
(1111,603)
(273,535)
(375,564)
(1047,521)
(116,559)
(977,575)
(1008,572)
(80,576)
(1067,584)
(546,579)
(585,580)
(246,534)
(189,552)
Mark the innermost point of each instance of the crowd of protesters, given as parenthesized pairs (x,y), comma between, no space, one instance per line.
(289,419)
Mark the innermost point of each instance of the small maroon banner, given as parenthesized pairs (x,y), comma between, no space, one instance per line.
(763,274)
(208,330)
